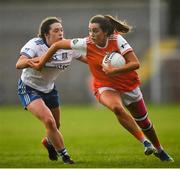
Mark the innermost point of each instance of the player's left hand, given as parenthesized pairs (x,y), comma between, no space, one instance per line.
(36,64)
(109,70)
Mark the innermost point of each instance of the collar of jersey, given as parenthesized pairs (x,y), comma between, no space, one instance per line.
(105,44)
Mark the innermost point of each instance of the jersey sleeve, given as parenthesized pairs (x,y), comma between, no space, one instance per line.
(76,54)
(123,45)
(29,49)
(79,45)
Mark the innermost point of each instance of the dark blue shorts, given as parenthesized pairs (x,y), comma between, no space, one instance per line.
(28,94)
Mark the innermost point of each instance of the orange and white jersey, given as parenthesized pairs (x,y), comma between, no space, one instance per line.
(123,82)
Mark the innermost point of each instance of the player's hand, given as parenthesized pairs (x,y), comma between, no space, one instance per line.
(36,59)
(35,66)
(35,63)
(109,70)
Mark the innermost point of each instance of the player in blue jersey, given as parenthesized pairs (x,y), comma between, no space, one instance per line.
(36,89)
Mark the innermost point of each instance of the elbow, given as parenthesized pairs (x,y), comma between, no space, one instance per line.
(18,66)
(136,65)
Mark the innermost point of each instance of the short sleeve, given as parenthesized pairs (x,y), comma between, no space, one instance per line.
(123,45)
(79,45)
(76,54)
(29,49)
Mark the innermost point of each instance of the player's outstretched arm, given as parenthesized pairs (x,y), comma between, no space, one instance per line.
(82,59)
(24,62)
(63,44)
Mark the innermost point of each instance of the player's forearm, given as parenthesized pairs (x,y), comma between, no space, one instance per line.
(22,63)
(51,51)
(129,67)
(122,69)
(64,44)
(132,63)
(82,59)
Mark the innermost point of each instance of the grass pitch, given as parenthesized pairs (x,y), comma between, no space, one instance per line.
(92,136)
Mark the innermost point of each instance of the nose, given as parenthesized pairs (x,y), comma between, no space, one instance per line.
(60,33)
(90,33)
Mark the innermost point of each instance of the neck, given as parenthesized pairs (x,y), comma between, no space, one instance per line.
(103,43)
(48,42)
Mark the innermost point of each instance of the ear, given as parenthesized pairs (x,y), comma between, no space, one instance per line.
(46,34)
(106,34)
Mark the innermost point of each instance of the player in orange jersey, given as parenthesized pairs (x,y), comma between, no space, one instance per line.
(115,87)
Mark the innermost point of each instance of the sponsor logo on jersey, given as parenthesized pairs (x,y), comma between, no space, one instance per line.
(27,49)
(61,66)
(123,45)
(60,57)
(64,56)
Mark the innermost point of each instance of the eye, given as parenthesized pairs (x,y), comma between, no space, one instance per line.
(95,31)
(89,30)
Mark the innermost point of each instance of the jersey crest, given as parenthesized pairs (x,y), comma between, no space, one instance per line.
(39,42)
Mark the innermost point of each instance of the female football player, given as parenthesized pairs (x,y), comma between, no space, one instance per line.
(114,87)
(36,89)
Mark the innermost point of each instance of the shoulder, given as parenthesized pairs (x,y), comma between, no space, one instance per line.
(34,42)
(113,37)
(38,41)
(123,45)
(31,47)
(121,39)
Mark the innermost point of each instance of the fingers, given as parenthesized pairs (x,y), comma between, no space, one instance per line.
(109,70)
(35,65)
(30,63)
(36,59)
(107,67)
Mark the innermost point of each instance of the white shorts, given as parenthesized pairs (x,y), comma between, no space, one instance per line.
(127,97)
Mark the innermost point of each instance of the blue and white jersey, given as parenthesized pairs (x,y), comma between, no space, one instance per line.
(44,80)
